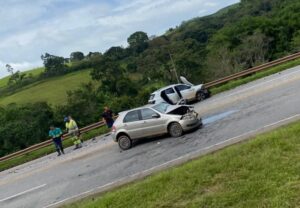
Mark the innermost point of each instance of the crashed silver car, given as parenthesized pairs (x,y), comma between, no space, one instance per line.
(180,93)
(153,120)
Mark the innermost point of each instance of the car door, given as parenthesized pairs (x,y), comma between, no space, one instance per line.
(187,92)
(154,123)
(133,124)
(172,95)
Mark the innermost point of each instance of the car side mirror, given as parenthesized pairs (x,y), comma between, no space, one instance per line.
(155,116)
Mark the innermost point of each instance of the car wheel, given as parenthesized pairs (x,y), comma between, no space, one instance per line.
(207,95)
(200,96)
(175,130)
(124,142)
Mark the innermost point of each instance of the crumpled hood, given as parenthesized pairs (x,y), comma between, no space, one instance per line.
(178,109)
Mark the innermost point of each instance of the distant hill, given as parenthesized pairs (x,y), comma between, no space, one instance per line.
(34,72)
(52,90)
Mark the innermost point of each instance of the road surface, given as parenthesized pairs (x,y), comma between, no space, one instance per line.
(228,117)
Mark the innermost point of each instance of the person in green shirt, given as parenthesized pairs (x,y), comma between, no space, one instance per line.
(55,134)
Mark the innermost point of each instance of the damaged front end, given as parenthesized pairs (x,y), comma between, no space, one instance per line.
(186,112)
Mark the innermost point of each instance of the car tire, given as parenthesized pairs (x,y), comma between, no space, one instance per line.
(124,142)
(200,96)
(208,94)
(175,129)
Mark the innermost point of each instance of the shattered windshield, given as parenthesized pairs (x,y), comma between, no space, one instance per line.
(161,107)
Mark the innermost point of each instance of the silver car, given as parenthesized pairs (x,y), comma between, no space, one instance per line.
(153,120)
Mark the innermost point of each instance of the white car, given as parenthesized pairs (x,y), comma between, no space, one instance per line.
(179,93)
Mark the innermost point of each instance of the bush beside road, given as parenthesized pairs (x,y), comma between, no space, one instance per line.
(235,83)
(263,172)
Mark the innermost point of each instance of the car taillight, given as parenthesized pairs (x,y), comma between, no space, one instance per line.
(113,129)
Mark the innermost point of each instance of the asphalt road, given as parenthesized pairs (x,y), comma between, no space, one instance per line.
(228,116)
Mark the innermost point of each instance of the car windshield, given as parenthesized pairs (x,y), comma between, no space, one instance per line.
(161,107)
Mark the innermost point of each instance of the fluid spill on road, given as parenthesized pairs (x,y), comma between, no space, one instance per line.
(217,117)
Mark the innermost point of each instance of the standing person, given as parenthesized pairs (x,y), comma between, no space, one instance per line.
(72,128)
(107,117)
(55,134)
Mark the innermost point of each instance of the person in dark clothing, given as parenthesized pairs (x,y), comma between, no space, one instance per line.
(55,134)
(107,117)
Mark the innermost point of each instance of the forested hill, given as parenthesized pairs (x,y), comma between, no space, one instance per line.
(236,38)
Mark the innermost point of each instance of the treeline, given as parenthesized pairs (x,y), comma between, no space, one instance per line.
(202,49)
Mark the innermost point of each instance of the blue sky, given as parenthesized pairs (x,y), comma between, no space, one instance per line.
(30,28)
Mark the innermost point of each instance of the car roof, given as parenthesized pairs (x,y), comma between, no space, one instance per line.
(145,106)
(164,88)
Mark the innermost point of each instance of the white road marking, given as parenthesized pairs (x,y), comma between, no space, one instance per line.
(24,192)
(174,160)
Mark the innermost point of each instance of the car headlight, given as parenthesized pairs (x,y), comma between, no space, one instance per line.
(188,116)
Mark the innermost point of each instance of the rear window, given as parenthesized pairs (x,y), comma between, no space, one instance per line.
(183,87)
(169,91)
(131,116)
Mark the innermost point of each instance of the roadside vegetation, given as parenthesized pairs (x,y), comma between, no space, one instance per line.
(203,49)
(34,72)
(258,75)
(262,172)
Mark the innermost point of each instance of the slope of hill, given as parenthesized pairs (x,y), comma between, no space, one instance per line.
(33,72)
(53,90)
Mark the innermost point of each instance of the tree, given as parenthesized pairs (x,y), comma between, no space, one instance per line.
(115,53)
(9,69)
(138,41)
(22,126)
(54,65)
(296,42)
(76,56)
(16,78)
(252,51)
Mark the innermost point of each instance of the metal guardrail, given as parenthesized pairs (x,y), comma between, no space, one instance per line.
(252,70)
(208,85)
(48,142)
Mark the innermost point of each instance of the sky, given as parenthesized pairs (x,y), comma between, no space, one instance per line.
(30,28)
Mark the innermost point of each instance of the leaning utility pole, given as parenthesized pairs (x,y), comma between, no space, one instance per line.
(174,68)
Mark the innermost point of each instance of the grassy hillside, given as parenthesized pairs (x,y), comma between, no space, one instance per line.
(51,90)
(34,72)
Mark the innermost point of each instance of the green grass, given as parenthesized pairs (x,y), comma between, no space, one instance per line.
(48,150)
(263,172)
(34,72)
(51,90)
(258,75)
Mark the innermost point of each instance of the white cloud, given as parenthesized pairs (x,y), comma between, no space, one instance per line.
(210,4)
(23,66)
